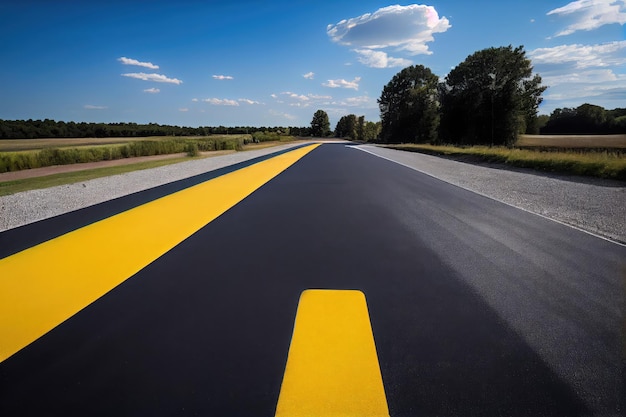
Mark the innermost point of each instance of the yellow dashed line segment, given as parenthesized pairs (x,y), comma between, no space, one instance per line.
(43,286)
(332,368)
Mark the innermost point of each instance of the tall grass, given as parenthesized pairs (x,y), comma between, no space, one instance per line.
(15,161)
(603,164)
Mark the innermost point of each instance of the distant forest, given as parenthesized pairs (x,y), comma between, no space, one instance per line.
(32,129)
(585,119)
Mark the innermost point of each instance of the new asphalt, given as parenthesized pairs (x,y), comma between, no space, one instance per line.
(477,308)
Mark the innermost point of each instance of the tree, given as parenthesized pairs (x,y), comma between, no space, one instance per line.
(409,106)
(347,127)
(490,97)
(320,126)
(360,128)
(371,131)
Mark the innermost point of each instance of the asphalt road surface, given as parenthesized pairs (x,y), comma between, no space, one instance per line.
(476,307)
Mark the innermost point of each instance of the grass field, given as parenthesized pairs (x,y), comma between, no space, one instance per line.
(602,164)
(14,145)
(16,155)
(572,141)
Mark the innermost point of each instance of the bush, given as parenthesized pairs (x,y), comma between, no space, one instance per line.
(192,149)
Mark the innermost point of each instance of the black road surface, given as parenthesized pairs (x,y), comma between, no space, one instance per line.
(477,308)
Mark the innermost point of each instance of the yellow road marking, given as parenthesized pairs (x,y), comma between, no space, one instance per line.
(332,367)
(43,286)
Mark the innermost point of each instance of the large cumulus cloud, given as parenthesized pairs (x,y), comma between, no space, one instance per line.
(406,29)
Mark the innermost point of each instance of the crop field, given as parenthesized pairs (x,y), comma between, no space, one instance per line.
(16,155)
(572,141)
(14,145)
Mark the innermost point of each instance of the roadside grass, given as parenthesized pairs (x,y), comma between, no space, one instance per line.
(588,142)
(93,151)
(12,187)
(602,164)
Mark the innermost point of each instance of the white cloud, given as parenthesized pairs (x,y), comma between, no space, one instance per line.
(299,97)
(223,77)
(582,56)
(282,115)
(598,76)
(274,96)
(360,101)
(309,75)
(404,28)
(380,59)
(318,97)
(195,100)
(92,107)
(184,109)
(221,102)
(248,101)
(591,14)
(130,61)
(152,90)
(582,73)
(152,77)
(354,84)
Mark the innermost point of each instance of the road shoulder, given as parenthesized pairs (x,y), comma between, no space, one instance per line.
(597,207)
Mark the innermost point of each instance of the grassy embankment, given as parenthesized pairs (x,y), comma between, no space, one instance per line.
(36,153)
(597,156)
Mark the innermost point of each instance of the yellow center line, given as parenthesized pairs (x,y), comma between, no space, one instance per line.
(45,285)
(332,368)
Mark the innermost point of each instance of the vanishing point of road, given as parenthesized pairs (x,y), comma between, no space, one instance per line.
(410,297)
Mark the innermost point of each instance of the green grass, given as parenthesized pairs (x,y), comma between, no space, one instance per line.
(12,187)
(48,156)
(14,145)
(604,164)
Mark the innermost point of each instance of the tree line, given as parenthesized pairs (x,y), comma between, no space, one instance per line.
(584,119)
(349,126)
(489,99)
(32,129)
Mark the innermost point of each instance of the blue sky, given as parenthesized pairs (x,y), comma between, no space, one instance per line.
(274,63)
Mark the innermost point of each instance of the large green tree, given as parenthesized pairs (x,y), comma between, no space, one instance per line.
(320,125)
(371,131)
(409,106)
(347,127)
(490,97)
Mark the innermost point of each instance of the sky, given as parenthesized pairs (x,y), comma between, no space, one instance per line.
(274,63)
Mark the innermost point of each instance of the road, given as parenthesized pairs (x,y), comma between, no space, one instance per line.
(476,307)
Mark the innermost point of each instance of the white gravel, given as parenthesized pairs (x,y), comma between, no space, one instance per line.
(593,205)
(596,206)
(31,206)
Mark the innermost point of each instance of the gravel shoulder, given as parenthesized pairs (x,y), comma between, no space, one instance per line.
(593,205)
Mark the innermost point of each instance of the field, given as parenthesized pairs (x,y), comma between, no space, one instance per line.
(16,155)
(15,145)
(572,141)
